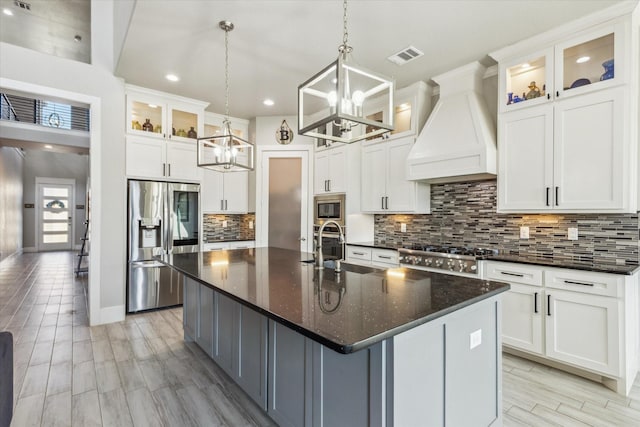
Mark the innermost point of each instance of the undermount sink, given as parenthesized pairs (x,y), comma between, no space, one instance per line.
(352,268)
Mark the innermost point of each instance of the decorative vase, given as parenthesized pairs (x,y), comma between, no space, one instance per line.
(158,129)
(181,133)
(136,125)
(147,126)
(608,70)
(192,133)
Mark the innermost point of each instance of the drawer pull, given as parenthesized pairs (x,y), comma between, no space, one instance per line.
(359,253)
(548,305)
(535,302)
(511,274)
(571,282)
(384,256)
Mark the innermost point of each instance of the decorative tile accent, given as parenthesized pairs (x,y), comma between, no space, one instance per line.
(464,214)
(237,227)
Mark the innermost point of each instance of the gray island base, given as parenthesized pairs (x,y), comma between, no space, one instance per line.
(363,347)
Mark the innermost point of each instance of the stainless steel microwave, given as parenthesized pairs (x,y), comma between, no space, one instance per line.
(330,207)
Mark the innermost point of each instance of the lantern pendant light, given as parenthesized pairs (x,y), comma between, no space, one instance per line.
(345,102)
(225,152)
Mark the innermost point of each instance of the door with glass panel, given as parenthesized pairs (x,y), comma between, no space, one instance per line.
(55,221)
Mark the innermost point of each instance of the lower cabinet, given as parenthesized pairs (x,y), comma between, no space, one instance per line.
(579,318)
(377,257)
(234,336)
(420,377)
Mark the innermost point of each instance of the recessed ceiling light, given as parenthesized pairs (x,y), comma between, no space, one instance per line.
(48,147)
(268,102)
(152,105)
(7,12)
(172,77)
(582,59)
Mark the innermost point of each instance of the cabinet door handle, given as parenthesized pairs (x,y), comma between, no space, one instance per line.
(384,256)
(386,202)
(382,202)
(571,282)
(557,93)
(548,96)
(557,204)
(535,302)
(548,305)
(359,253)
(329,184)
(547,196)
(221,204)
(506,273)
(226,205)
(164,169)
(169,169)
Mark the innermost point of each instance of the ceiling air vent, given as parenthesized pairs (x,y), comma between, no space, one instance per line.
(405,55)
(22,5)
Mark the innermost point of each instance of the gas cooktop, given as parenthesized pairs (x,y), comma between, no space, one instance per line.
(450,259)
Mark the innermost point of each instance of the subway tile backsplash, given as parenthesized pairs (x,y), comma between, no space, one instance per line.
(464,214)
(237,227)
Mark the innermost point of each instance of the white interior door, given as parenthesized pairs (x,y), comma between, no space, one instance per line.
(55,215)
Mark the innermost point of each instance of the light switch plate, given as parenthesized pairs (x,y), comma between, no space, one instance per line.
(475,339)
(224,224)
(524,232)
(250,225)
(403,227)
(572,233)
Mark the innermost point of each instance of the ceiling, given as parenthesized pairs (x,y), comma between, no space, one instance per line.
(278,44)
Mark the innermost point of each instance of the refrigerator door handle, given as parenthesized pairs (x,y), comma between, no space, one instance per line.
(168,212)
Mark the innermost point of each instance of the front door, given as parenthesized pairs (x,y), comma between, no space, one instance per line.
(55,216)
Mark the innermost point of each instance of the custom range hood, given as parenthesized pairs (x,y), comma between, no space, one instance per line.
(458,142)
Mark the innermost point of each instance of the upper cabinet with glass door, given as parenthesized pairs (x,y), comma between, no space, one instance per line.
(591,60)
(411,108)
(213,126)
(164,116)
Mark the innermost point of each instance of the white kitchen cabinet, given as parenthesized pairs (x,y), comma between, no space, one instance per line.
(378,257)
(579,318)
(569,156)
(225,192)
(160,153)
(235,244)
(330,171)
(583,330)
(410,109)
(571,148)
(384,187)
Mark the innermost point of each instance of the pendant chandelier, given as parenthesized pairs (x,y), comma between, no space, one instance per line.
(226,152)
(345,102)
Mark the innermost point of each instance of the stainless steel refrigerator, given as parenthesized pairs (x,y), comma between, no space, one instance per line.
(163,218)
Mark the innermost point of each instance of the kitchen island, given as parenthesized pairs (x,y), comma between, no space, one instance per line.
(364,346)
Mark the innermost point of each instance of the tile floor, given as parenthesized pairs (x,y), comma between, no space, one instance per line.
(140,372)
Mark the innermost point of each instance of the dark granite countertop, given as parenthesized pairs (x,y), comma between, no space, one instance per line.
(348,311)
(575,264)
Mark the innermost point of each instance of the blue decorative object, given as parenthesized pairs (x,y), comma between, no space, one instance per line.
(510,95)
(608,70)
(581,82)
(517,99)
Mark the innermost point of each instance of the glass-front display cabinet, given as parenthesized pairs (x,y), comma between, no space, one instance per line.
(585,63)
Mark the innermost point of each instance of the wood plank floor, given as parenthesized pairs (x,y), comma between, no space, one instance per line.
(140,372)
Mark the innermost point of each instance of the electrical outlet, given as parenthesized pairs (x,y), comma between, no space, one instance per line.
(475,339)
(224,224)
(572,233)
(250,225)
(403,227)
(524,232)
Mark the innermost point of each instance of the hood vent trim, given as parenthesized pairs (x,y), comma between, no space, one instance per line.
(458,142)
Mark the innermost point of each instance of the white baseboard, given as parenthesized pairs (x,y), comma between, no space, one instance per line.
(29,249)
(110,315)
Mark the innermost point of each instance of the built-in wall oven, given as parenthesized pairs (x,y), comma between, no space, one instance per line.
(330,208)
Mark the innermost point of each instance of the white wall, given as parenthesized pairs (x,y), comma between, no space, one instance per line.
(30,71)
(53,165)
(11,165)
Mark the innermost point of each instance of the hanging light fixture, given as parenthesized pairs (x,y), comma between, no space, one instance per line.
(345,102)
(226,152)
